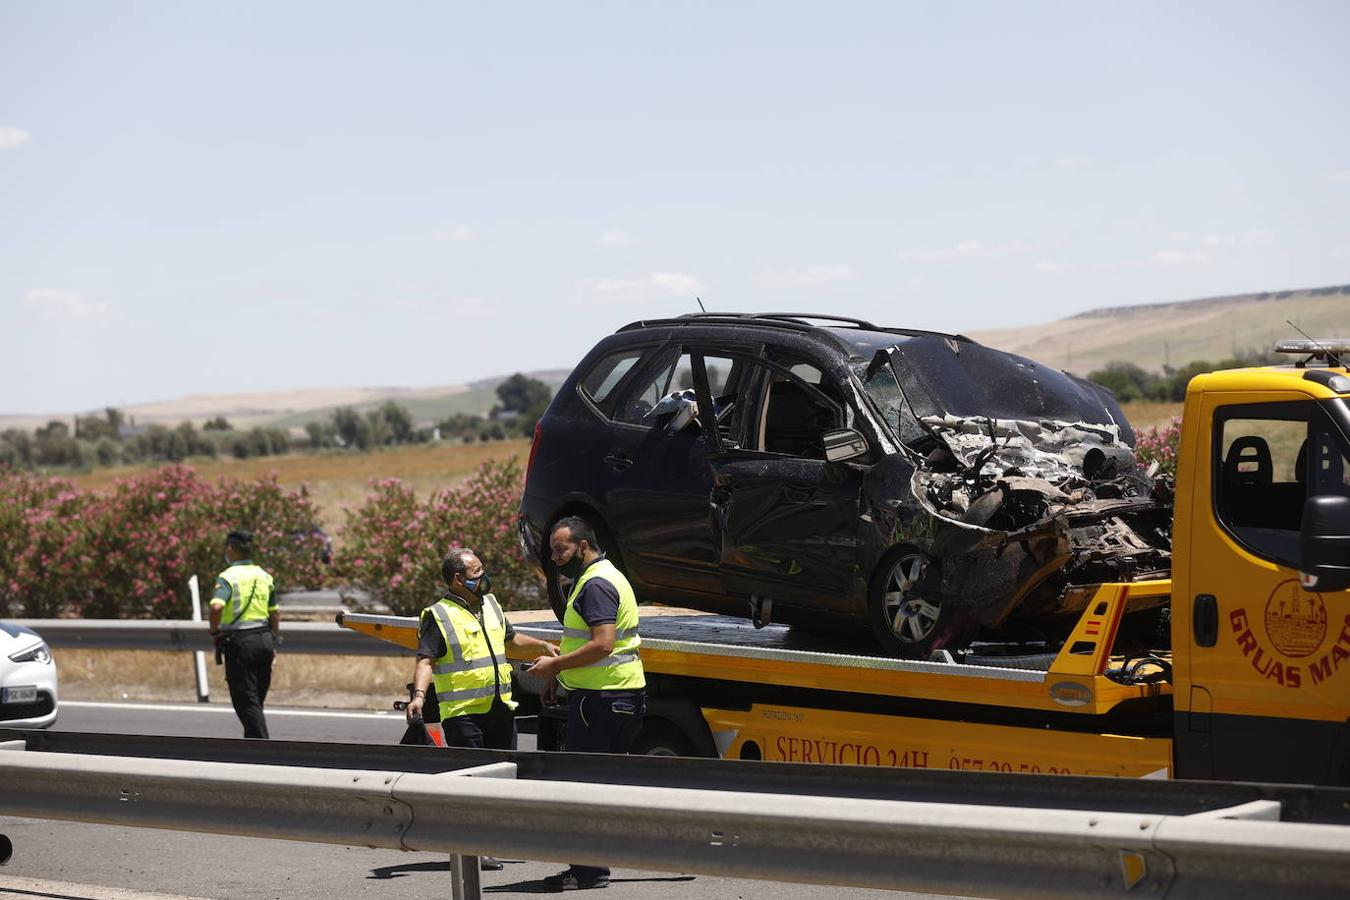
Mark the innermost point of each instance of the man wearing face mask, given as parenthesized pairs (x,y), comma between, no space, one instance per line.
(599,664)
(462,640)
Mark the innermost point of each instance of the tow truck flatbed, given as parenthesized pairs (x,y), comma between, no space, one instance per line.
(720,686)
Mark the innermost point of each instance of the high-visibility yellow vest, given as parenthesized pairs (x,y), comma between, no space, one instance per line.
(250,596)
(622,669)
(466,677)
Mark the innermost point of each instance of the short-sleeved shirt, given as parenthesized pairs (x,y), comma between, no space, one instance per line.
(430,641)
(598,602)
(222,593)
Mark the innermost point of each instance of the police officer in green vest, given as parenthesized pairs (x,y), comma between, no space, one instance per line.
(245,624)
(599,664)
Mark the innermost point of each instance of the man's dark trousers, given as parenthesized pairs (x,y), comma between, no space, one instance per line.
(248,671)
(602,722)
(494,729)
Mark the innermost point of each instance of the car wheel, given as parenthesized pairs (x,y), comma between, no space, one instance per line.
(659,738)
(906,622)
(559,586)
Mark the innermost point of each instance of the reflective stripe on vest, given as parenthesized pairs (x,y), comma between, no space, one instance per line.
(622,669)
(250,594)
(466,676)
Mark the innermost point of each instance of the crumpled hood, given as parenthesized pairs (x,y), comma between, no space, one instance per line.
(947,377)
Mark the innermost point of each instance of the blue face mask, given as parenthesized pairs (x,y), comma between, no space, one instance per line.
(480,585)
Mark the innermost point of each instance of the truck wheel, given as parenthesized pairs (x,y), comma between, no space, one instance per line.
(558,585)
(660,738)
(906,623)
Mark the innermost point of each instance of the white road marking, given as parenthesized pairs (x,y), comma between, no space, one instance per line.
(39,887)
(216,708)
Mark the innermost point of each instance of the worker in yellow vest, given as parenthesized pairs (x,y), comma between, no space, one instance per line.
(245,625)
(461,649)
(599,664)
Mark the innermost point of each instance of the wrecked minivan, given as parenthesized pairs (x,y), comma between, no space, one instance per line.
(913,487)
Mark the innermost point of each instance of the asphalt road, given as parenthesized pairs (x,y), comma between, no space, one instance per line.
(69,860)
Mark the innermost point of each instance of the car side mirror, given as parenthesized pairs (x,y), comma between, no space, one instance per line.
(844,444)
(1325,544)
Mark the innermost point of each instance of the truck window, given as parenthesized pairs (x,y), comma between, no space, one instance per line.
(1261,476)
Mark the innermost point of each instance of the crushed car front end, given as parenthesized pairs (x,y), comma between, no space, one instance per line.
(1015,485)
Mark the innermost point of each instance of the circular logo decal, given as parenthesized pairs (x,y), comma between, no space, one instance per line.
(1296,621)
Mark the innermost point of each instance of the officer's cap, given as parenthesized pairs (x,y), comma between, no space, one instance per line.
(239,538)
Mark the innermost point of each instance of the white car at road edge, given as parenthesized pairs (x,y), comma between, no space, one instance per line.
(28,695)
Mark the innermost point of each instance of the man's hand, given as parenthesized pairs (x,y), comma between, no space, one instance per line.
(549,650)
(545,666)
(414,708)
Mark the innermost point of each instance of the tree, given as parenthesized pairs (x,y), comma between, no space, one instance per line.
(93,428)
(322,435)
(351,428)
(1124,379)
(219,423)
(521,394)
(399,422)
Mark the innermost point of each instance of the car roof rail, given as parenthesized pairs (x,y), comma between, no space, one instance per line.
(793,321)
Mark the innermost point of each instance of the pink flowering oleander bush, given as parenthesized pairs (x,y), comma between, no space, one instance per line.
(129,552)
(44,547)
(1160,445)
(393,543)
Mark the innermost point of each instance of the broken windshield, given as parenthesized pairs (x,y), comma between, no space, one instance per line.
(945,377)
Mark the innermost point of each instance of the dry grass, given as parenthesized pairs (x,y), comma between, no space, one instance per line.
(339,682)
(1149,415)
(338,481)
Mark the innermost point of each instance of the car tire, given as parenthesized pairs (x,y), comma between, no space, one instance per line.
(558,585)
(905,623)
(660,738)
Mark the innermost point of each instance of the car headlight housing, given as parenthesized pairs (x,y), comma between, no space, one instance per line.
(38,653)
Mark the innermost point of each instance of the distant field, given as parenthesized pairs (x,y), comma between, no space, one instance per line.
(1150,415)
(338,481)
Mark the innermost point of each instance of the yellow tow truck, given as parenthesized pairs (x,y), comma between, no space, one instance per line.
(1255,685)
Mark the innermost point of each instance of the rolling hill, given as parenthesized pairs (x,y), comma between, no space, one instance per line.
(1156,334)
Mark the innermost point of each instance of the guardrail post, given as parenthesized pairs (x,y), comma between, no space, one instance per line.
(465,881)
(198,657)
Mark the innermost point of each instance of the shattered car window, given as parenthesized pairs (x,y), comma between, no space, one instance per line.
(945,377)
(882,388)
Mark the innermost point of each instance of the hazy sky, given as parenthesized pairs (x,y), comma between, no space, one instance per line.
(211,198)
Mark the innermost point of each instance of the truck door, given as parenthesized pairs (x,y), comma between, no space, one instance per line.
(1268,694)
(786,517)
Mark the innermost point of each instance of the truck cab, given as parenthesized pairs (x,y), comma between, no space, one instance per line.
(1260,570)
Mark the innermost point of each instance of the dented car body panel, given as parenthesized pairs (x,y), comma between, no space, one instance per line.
(963,487)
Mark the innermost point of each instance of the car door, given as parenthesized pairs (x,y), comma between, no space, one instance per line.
(1263,654)
(786,518)
(659,479)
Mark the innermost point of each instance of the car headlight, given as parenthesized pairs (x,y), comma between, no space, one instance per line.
(37,653)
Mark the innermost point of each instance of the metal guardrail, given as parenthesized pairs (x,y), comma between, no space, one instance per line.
(1008,850)
(184,634)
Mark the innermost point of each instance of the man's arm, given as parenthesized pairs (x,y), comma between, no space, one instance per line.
(597,648)
(273,612)
(531,647)
(219,596)
(421,681)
